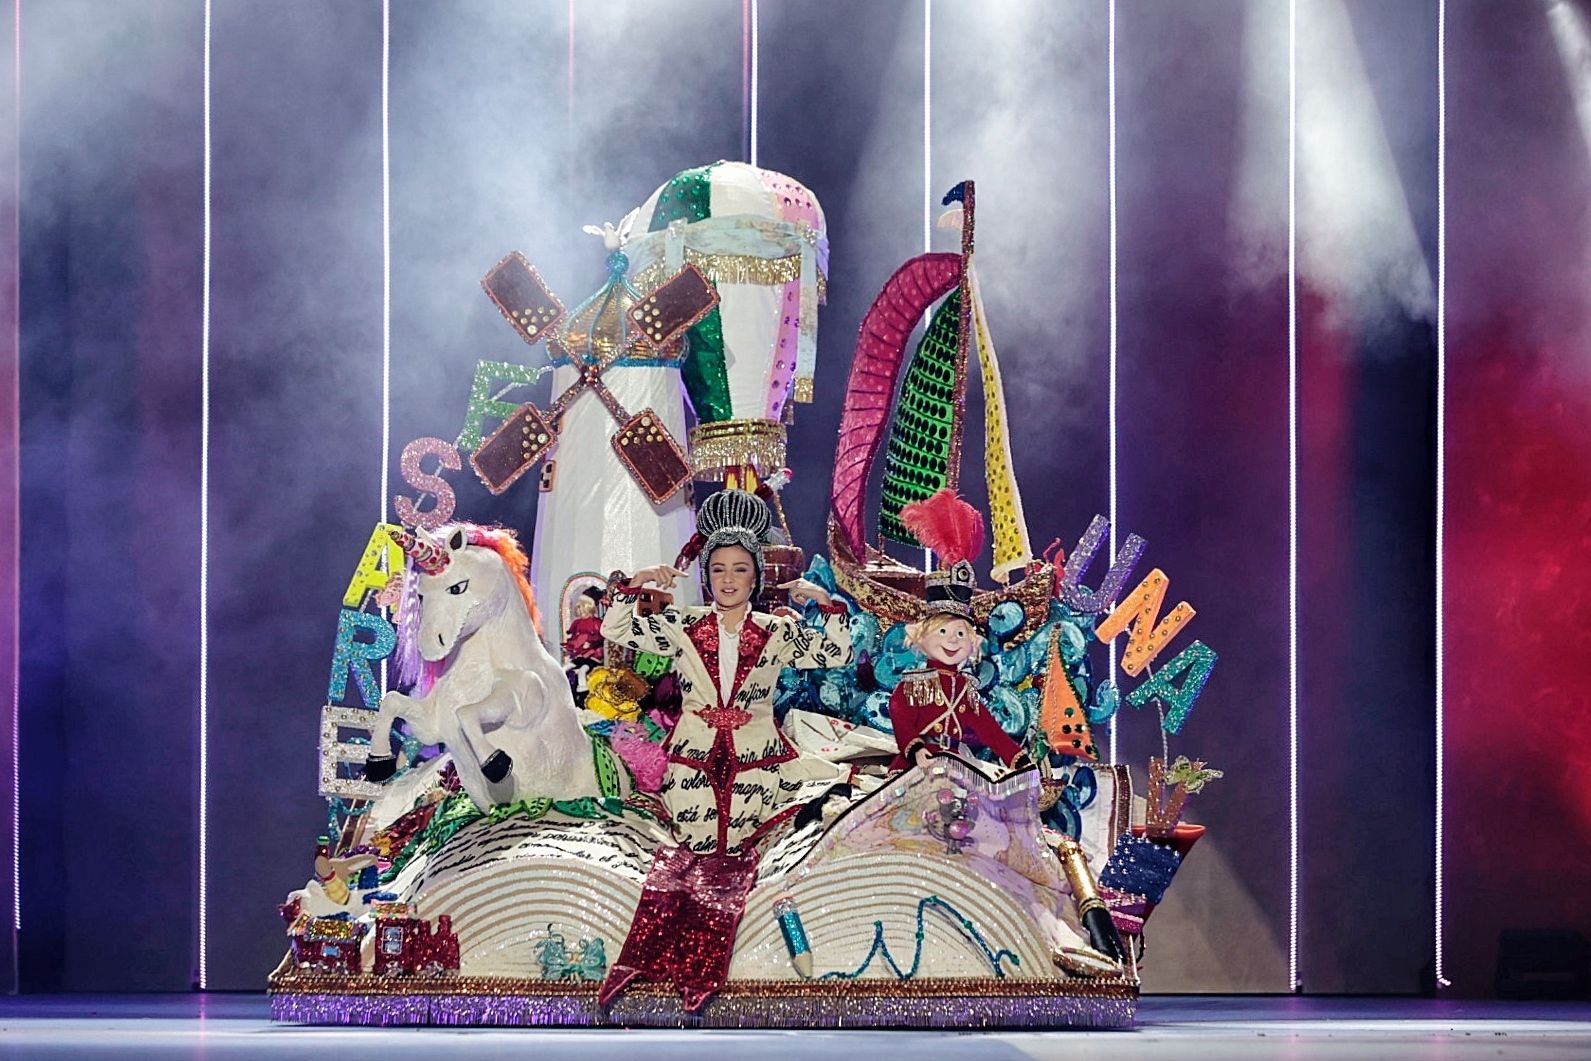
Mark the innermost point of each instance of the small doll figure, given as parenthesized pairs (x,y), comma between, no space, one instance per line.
(938,708)
(583,646)
(583,641)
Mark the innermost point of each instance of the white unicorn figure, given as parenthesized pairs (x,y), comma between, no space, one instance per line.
(485,685)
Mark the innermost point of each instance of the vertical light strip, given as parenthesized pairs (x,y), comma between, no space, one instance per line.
(1111,403)
(756,44)
(16,512)
(386,257)
(569,110)
(570,84)
(745,80)
(928,126)
(1441,463)
(928,158)
(1293,981)
(204,542)
(386,273)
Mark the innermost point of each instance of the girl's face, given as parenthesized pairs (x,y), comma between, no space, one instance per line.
(731,575)
(948,639)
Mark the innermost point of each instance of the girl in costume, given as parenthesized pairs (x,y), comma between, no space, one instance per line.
(937,708)
(731,774)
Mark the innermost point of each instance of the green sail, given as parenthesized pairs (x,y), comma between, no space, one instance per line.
(918,458)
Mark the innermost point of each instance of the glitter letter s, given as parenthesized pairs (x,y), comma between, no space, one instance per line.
(447,457)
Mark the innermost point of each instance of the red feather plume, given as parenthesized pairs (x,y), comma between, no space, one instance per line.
(946,524)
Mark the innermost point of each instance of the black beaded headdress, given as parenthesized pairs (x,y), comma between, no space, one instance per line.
(949,592)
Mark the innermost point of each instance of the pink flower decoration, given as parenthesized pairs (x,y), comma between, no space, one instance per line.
(646,760)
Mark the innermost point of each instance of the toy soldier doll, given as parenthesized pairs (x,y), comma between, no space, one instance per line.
(937,709)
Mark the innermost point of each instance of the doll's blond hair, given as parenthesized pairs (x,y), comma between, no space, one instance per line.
(917,630)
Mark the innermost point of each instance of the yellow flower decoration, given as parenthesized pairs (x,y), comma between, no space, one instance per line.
(615,692)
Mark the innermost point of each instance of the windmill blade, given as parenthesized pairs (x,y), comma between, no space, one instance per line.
(875,368)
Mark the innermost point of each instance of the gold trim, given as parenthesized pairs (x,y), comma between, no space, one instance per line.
(723,445)
(733,269)
(1033,593)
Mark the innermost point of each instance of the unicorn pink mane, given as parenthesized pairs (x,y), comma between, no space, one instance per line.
(414,671)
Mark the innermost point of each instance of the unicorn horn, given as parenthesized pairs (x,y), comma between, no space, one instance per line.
(426,556)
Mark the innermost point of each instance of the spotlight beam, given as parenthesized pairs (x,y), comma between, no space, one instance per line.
(1294,980)
(1111,403)
(204,539)
(1441,472)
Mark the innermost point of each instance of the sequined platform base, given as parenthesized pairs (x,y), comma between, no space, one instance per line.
(961,1003)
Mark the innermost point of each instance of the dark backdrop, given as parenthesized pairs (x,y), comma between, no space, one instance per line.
(497,144)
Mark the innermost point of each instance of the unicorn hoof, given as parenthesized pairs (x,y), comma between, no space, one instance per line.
(379,768)
(496,766)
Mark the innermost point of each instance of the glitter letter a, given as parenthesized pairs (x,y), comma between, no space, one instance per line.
(1198,659)
(369,576)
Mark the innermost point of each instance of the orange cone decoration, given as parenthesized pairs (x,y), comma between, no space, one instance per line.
(1064,721)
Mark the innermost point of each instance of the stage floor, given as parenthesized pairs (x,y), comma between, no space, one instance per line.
(1190,1028)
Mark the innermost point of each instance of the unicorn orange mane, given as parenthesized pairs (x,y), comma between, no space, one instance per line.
(505,544)
(414,671)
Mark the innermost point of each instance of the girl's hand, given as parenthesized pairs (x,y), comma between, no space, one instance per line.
(663,576)
(802,591)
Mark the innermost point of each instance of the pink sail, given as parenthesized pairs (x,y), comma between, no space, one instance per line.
(875,369)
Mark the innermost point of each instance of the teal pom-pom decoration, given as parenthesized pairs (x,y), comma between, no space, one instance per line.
(1072,642)
(873,710)
(1008,709)
(1107,698)
(1015,664)
(1005,619)
(895,639)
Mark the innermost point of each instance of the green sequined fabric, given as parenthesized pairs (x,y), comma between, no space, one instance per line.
(456,811)
(689,197)
(705,375)
(608,767)
(918,458)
